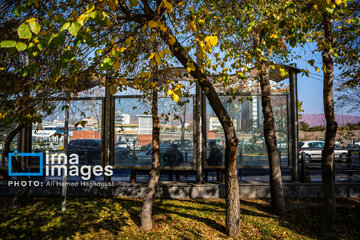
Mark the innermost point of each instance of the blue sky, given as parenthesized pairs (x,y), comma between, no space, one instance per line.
(310,88)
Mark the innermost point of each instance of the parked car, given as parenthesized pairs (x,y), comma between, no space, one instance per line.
(88,150)
(147,155)
(282,144)
(126,144)
(121,153)
(145,147)
(313,149)
(187,144)
(220,143)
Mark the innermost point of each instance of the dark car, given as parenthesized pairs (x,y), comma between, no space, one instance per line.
(187,144)
(121,153)
(89,150)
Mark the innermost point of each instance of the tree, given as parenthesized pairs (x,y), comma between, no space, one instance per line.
(254,37)
(304,126)
(348,89)
(28,89)
(348,95)
(324,22)
(119,33)
(146,213)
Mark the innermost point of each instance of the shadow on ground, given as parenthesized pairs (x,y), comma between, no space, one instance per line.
(107,218)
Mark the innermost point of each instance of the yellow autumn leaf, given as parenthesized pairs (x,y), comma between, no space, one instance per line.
(208,48)
(152,56)
(212,40)
(128,40)
(31,20)
(338,2)
(112,4)
(152,38)
(153,24)
(81,19)
(201,44)
(273,36)
(157,59)
(113,90)
(168,5)
(163,27)
(191,9)
(123,81)
(170,92)
(122,49)
(172,39)
(117,65)
(175,97)
(201,21)
(193,27)
(202,54)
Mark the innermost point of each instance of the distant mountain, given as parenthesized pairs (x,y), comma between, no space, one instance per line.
(319,119)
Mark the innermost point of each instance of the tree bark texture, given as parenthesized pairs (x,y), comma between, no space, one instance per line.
(327,163)
(231,174)
(276,186)
(231,177)
(146,214)
(23,191)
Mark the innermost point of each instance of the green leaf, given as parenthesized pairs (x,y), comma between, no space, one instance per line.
(133,3)
(8,44)
(90,7)
(40,46)
(64,27)
(311,62)
(24,31)
(113,90)
(93,14)
(20,46)
(35,27)
(251,24)
(74,28)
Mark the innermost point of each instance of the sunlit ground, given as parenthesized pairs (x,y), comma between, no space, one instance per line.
(99,218)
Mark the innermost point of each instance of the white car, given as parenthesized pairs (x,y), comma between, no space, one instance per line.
(313,149)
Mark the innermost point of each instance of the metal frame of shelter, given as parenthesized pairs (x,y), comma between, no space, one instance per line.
(199,119)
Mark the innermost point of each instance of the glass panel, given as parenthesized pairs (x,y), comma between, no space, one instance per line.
(133,133)
(248,120)
(48,136)
(85,131)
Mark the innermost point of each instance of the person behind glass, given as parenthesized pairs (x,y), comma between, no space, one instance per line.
(214,159)
(172,158)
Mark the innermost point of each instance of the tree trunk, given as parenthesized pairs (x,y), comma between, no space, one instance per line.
(231,174)
(146,219)
(276,187)
(327,163)
(23,191)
